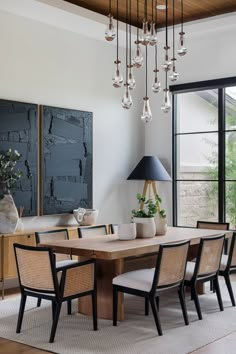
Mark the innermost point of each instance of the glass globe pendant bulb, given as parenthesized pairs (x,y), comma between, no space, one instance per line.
(167,63)
(166,105)
(127,99)
(147,114)
(156,86)
(174,75)
(131,79)
(145,35)
(117,79)
(153,34)
(182,50)
(110,32)
(138,57)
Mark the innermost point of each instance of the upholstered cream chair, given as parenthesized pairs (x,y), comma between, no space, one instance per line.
(39,277)
(152,283)
(205,268)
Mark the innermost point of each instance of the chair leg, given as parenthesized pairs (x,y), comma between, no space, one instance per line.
(21,313)
(157,302)
(218,293)
(55,321)
(156,316)
(196,300)
(146,306)
(69,307)
(226,247)
(230,290)
(53,309)
(94,305)
(183,305)
(115,300)
(39,302)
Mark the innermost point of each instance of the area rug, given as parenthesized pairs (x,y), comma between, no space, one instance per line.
(136,334)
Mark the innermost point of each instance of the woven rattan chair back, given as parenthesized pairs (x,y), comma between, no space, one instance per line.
(213,225)
(232,252)
(114,228)
(210,255)
(92,231)
(171,263)
(54,235)
(35,270)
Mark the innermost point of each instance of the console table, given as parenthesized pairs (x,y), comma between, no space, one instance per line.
(27,237)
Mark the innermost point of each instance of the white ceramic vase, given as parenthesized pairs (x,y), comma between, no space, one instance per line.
(90,217)
(8,215)
(145,227)
(161,225)
(127,231)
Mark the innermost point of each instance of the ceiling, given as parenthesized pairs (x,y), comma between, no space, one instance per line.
(193,9)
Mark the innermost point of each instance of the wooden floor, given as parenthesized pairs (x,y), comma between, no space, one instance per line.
(225,345)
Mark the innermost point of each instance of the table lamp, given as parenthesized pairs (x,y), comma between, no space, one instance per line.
(149,169)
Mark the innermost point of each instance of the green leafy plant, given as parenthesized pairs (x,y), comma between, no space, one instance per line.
(8,174)
(151,208)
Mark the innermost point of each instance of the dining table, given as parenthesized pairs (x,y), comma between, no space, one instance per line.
(114,257)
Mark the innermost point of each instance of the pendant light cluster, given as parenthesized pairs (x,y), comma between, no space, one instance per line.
(147,37)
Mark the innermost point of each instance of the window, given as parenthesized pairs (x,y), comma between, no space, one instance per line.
(204,152)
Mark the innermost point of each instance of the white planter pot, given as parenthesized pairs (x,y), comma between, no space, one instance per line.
(8,215)
(145,227)
(161,225)
(127,231)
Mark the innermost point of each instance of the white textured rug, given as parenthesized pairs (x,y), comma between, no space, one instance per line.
(136,334)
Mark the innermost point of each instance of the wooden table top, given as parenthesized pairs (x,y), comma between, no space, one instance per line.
(109,247)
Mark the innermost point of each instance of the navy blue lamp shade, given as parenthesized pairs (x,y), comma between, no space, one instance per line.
(149,168)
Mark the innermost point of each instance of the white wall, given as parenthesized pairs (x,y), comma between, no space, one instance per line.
(211,53)
(47,65)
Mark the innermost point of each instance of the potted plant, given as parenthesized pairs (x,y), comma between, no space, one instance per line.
(144,218)
(8,177)
(160,218)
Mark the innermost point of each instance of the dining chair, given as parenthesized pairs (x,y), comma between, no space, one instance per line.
(39,277)
(228,266)
(215,226)
(61,259)
(152,283)
(90,231)
(205,268)
(114,228)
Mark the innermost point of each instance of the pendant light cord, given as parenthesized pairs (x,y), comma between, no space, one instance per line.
(126,41)
(182,16)
(152,10)
(130,34)
(117,32)
(137,21)
(110,7)
(166,24)
(145,10)
(173,29)
(146,71)
(155,56)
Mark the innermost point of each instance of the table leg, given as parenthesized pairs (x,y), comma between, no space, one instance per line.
(106,271)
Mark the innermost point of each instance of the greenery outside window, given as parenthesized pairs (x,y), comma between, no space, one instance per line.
(204,152)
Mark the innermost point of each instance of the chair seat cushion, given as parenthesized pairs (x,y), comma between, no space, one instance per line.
(65,263)
(224,261)
(139,279)
(189,270)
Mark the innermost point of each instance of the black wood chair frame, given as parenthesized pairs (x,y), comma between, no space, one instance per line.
(81,228)
(204,278)
(229,270)
(152,297)
(56,296)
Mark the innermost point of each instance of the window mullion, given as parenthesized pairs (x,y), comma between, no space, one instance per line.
(221,155)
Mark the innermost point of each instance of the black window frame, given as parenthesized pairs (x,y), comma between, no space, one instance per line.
(220,85)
